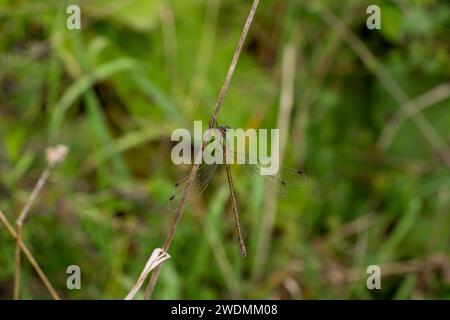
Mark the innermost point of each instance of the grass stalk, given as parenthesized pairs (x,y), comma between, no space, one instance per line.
(30,258)
(19,223)
(54,156)
(212,122)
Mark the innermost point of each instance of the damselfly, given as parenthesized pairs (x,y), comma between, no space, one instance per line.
(281,182)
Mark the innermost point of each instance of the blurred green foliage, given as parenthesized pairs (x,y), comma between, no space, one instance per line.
(114,91)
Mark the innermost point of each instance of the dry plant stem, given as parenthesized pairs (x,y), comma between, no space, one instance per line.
(212,122)
(233,64)
(284,114)
(428,131)
(17,268)
(23,214)
(30,258)
(37,188)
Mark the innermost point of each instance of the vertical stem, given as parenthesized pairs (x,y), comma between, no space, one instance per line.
(212,122)
(233,64)
(19,223)
(16,292)
(30,258)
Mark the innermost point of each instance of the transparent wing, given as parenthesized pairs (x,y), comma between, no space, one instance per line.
(281,182)
(200,182)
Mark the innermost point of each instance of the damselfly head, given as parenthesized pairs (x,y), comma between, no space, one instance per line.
(302,174)
(223,128)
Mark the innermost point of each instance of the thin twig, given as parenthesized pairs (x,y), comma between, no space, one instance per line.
(53,156)
(37,188)
(17,266)
(30,258)
(233,64)
(212,122)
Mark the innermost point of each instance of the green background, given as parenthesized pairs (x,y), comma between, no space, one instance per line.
(378,191)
